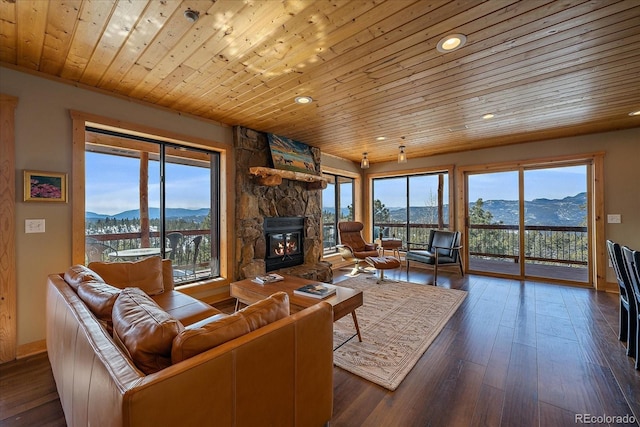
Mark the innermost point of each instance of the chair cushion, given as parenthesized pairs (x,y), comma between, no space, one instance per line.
(79,273)
(427,257)
(383,262)
(216,330)
(145,274)
(365,254)
(145,330)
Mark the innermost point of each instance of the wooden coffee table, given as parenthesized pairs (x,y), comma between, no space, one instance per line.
(344,301)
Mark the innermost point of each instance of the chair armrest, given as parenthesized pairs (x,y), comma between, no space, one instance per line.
(343,246)
(370,246)
(409,244)
(451,248)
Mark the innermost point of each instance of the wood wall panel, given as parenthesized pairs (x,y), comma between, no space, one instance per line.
(8,291)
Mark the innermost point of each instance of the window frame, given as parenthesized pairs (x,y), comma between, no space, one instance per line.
(338,207)
(369,201)
(112,145)
(407,225)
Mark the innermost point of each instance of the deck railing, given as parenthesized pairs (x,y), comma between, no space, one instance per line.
(182,255)
(543,244)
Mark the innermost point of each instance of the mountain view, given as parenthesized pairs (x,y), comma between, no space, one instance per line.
(570,211)
(154,213)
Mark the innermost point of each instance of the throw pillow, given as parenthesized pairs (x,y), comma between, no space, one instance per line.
(99,297)
(144,329)
(145,274)
(207,334)
(266,311)
(79,273)
(218,329)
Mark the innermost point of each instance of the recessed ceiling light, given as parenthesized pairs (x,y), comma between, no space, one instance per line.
(635,113)
(191,15)
(303,100)
(381,138)
(488,116)
(451,42)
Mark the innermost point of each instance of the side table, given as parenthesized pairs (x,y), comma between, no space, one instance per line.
(393,245)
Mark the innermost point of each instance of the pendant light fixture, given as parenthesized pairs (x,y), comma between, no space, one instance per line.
(364,164)
(402,156)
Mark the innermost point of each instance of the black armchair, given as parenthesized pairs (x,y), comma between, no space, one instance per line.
(443,248)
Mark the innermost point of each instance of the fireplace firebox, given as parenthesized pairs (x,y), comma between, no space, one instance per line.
(285,240)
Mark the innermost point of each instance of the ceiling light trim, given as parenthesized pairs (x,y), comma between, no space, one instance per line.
(451,42)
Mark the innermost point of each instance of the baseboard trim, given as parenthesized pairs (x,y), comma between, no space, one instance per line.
(30,349)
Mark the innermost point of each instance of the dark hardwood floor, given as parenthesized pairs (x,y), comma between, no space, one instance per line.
(514,354)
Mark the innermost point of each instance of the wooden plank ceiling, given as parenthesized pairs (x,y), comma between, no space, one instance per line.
(545,69)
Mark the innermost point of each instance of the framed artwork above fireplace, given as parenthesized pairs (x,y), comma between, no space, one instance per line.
(288,154)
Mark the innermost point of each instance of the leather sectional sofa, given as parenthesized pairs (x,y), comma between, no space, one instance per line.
(127,349)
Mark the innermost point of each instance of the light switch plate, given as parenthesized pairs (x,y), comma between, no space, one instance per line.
(34,225)
(614,218)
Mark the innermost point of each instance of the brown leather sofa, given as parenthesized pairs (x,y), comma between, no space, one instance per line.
(278,374)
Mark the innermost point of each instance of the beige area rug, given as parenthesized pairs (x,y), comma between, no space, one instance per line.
(398,322)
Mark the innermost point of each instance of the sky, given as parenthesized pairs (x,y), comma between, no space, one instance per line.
(109,189)
(553,183)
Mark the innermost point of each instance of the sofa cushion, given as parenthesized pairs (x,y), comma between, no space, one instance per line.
(185,308)
(99,297)
(211,332)
(145,274)
(79,273)
(146,331)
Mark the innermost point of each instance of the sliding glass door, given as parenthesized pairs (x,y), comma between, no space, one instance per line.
(493,222)
(530,222)
(147,197)
(555,222)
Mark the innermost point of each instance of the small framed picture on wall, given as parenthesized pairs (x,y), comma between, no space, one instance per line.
(45,186)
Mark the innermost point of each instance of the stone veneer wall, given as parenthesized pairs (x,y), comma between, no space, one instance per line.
(255,202)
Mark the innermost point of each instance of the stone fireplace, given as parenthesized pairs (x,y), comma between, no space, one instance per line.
(259,205)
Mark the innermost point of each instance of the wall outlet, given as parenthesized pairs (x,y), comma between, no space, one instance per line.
(614,218)
(34,225)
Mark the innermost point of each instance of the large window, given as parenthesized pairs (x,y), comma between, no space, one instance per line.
(337,205)
(149,197)
(407,207)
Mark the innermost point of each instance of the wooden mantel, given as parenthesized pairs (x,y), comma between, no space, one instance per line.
(273,177)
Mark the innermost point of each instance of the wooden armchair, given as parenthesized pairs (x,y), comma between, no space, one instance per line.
(443,248)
